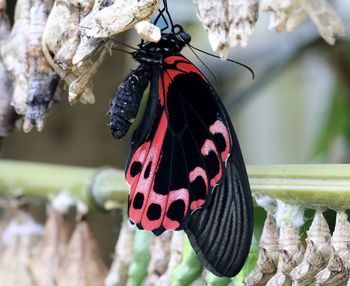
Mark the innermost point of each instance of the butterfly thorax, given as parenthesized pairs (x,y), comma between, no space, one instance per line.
(170,44)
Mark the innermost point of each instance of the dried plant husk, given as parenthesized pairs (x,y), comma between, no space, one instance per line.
(291,252)
(337,271)
(118,273)
(82,264)
(7,113)
(176,256)
(47,260)
(160,255)
(60,42)
(89,46)
(21,238)
(121,16)
(317,252)
(13,54)
(109,18)
(287,15)
(266,265)
(228,23)
(42,79)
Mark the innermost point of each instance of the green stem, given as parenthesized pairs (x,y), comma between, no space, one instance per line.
(314,186)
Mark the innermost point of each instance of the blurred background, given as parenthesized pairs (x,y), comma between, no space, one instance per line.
(297,110)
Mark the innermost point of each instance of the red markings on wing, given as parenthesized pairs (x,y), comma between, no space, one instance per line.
(144,183)
(218,127)
(194,174)
(208,147)
(173,196)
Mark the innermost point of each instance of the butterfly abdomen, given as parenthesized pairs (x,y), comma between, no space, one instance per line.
(126,101)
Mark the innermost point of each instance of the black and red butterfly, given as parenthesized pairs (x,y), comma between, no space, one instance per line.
(185,168)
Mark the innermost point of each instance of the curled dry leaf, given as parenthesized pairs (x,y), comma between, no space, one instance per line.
(118,273)
(229,23)
(42,79)
(160,254)
(45,263)
(317,252)
(21,238)
(7,113)
(291,253)
(60,42)
(176,255)
(267,262)
(82,264)
(338,268)
(13,54)
(288,14)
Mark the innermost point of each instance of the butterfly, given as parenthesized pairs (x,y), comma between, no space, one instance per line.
(185,169)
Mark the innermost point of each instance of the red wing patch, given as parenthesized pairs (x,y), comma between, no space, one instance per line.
(173,172)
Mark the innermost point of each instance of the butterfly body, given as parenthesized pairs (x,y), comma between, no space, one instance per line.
(185,169)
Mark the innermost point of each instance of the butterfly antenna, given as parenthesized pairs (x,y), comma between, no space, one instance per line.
(229,60)
(122,44)
(165,3)
(207,68)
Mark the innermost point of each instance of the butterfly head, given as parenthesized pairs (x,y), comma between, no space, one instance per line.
(170,44)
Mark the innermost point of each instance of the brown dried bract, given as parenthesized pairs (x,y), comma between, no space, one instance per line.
(267,262)
(82,264)
(124,247)
(46,262)
(317,252)
(337,271)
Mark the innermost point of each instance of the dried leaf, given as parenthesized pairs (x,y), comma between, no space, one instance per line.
(267,262)
(317,252)
(46,262)
(13,53)
(228,23)
(337,271)
(288,14)
(176,255)
(120,16)
(60,42)
(21,238)
(82,264)
(118,273)
(7,113)
(42,79)
(160,254)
